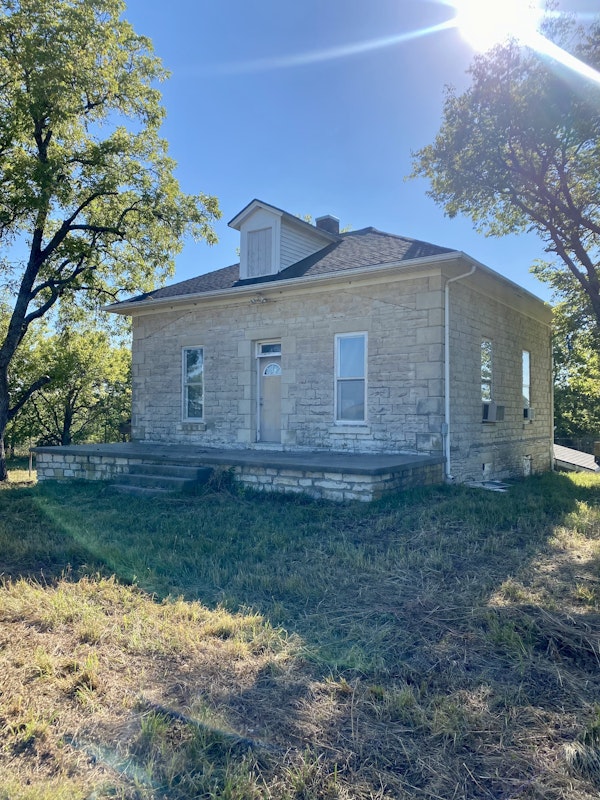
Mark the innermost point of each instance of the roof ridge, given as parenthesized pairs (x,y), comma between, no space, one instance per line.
(371,229)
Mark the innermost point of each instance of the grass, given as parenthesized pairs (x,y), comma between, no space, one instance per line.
(441,643)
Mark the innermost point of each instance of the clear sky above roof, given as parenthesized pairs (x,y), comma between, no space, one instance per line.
(315,107)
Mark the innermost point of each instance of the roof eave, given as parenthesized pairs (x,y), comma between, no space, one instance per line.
(379,269)
(497,276)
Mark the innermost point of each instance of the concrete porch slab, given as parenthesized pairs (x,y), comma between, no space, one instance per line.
(353,463)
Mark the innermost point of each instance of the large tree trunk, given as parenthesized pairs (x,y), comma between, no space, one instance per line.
(3,422)
(3,469)
(65,434)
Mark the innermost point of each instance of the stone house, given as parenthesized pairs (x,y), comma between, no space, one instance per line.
(357,342)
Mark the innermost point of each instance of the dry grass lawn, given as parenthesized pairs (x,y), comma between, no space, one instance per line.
(440,644)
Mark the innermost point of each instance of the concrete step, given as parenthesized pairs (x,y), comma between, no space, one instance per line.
(158,478)
(161,481)
(192,473)
(140,490)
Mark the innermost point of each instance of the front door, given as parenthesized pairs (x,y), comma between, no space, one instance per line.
(269,398)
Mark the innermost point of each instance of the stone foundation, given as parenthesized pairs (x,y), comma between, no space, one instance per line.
(322,483)
(338,486)
(64,466)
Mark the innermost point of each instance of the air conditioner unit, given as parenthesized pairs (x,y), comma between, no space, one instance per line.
(528,413)
(492,412)
(489,412)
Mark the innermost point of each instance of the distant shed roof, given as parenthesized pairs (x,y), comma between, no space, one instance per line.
(574,460)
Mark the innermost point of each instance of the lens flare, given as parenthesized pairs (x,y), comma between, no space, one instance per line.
(485,23)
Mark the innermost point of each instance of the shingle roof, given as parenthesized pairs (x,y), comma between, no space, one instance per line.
(364,248)
(224,278)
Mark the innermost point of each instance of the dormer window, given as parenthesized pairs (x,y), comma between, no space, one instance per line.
(272,240)
(260,252)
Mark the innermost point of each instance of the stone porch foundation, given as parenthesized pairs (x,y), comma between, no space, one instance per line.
(323,475)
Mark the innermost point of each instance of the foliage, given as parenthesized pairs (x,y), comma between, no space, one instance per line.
(89,393)
(89,205)
(577,377)
(519,150)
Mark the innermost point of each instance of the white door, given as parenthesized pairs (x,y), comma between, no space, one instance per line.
(269,399)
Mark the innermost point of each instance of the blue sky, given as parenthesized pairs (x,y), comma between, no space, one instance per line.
(288,102)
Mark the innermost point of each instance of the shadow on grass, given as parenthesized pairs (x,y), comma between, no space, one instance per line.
(360,583)
(456,628)
(32,546)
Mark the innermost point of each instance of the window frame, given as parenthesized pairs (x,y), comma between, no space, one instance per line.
(270,348)
(185,384)
(488,381)
(526,383)
(486,378)
(339,337)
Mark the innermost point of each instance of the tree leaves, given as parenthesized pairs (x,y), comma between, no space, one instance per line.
(87,188)
(520,150)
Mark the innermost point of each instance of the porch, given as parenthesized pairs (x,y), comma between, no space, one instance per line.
(320,474)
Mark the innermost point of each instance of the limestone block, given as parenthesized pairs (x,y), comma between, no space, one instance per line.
(428,370)
(427,300)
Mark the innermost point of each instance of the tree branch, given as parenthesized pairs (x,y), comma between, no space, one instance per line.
(35,387)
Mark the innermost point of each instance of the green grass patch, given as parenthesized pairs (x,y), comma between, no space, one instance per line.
(443,642)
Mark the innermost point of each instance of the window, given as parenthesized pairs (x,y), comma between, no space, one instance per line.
(526,383)
(350,377)
(272,369)
(269,349)
(259,252)
(193,383)
(486,371)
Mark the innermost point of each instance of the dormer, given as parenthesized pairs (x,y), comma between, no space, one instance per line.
(272,239)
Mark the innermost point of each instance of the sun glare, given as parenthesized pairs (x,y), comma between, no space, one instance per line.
(485,23)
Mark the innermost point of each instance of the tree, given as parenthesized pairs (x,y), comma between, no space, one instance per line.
(87,190)
(88,395)
(520,150)
(576,379)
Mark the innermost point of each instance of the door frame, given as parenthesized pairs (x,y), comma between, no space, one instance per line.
(260,357)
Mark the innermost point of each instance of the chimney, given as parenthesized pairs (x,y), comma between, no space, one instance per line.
(328,223)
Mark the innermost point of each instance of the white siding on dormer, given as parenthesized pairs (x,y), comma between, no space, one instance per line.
(297,244)
(259,252)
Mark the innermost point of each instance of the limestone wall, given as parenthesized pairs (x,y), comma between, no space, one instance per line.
(403,317)
(404,323)
(501,446)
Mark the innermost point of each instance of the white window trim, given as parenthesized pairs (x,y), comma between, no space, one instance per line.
(260,354)
(184,385)
(350,422)
(526,404)
(491,380)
